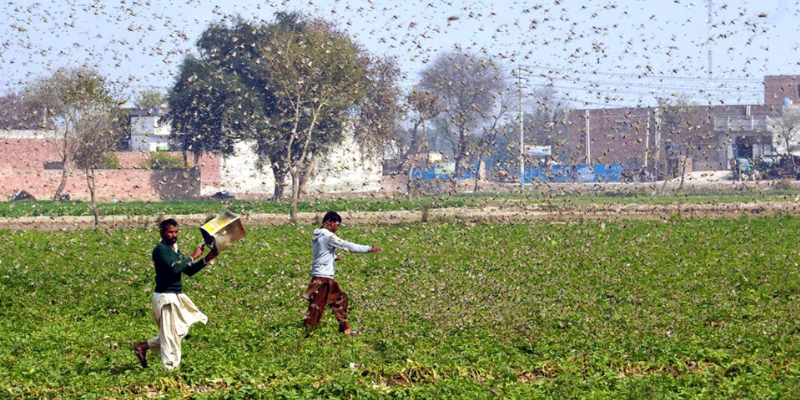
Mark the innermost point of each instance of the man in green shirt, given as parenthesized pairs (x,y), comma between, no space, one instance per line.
(173,311)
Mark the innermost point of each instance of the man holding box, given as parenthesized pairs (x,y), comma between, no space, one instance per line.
(173,311)
(324,290)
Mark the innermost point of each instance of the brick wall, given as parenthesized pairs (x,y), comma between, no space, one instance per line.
(778,87)
(616,135)
(22,168)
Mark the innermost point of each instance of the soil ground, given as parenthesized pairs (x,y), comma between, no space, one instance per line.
(470,215)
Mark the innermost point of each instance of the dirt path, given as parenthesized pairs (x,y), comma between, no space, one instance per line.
(485,214)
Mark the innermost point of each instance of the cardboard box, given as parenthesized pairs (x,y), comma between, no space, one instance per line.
(222,231)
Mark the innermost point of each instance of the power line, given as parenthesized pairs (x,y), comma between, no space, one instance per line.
(597,86)
(653,92)
(644,76)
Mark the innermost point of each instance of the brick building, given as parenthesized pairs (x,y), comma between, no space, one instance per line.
(709,136)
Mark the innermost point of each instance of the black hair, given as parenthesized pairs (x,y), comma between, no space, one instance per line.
(167,222)
(331,216)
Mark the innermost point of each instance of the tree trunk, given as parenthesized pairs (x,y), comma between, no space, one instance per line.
(462,149)
(409,184)
(307,174)
(666,177)
(63,183)
(458,159)
(683,172)
(90,184)
(477,187)
(280,182)
(295,195)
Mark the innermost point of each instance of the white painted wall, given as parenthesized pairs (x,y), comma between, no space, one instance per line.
(239,174)
(344,170)
(347,170)
(29,134)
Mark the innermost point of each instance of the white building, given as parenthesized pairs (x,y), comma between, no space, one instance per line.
(148,132)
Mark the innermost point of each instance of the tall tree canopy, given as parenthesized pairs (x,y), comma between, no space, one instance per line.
(467,87)
(291,87)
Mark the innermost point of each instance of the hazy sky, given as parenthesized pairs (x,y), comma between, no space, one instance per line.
(593,53)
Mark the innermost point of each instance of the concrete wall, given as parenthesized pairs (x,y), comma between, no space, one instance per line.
(345,170)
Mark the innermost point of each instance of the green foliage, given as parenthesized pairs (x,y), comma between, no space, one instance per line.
(110,160)
(564,203)
(635,309)
(161,160)
(149,99)
(290,86)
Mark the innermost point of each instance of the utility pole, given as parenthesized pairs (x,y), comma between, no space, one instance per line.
(521,134)
(646,140)
(588,140)
(657,139)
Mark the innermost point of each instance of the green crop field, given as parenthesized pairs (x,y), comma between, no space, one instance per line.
(13,209)
(671,309)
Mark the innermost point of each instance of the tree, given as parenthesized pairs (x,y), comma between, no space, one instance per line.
(785,126)
(490,131)
(149,99)
(79,107)
(239,88)
(208,108)
(85,116)
(378,112)
(466,87)
(17,113)
(682,123)
(98,134)
(423,107)
(315,75)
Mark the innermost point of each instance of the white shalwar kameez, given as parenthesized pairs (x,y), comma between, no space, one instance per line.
(174,313)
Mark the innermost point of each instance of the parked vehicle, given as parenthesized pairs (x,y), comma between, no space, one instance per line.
(742,169)
(779,167)
(635,175)
(21,195)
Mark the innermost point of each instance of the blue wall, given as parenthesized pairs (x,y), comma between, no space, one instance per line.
(555,173)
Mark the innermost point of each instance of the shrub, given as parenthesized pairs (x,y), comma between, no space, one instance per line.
(159,160)
(110,161)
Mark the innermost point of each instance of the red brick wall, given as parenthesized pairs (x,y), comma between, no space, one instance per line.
(777,87)
(609,142)
(22,168)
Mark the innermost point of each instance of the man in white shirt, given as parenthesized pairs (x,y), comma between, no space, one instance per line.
(324,290)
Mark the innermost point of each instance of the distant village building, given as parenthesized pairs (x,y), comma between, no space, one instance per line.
(637,136)
(148,131)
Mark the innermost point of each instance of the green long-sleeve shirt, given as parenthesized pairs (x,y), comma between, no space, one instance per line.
(170,265)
